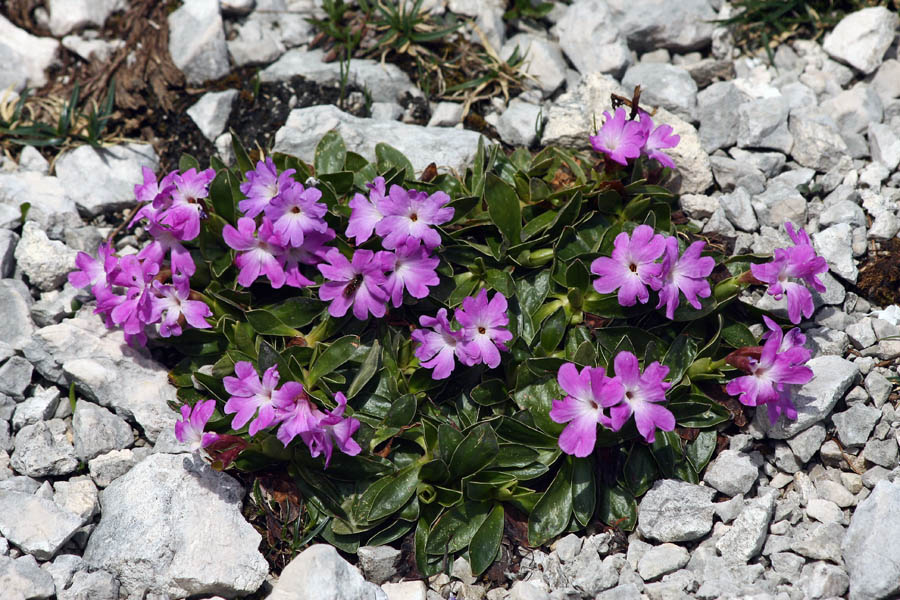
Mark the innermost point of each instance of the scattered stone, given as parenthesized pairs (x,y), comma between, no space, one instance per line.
(70,15)
(588,40)
(22,578)
(854,109)
(543,61)
(739,210)
(254,44)
(732,174)
(25,57)
(405,590)
(98,585)
(41,406)
(871,544)
(197,41)
(519,123)
(108,467)
(681,27)
(824,511)
(731,473)
(884,144)
(748,533)
(666,86)
(378,563)
(385,82)
(446,114)
(779,204)
(719,121)
(97,431)
(861,38)
(855,424)
(676,511)
(45,262)
(210,113)
(15,377)
(832,377)
(832,245)
(448,148)
(843,211)
(882,452)
(78,496)
(105,369)
(43,450)
(819,541)
(156,517)
(35,525)
(805,444)
(834,491)
(699,206)
(567,548)
(816,145)
(526,590)
(102,180)
(662,559)
(729,510)
(763,123)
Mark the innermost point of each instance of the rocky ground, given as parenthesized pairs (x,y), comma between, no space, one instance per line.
(97,499)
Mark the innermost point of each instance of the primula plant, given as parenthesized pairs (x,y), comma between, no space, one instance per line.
(533,341)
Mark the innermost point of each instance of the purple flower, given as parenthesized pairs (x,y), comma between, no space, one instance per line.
(251,397)
(800,262)
(173,302)
(409,215)
(93,272)
(312,252)
(587,394)
(180,209)
(167,238)
(484,328)
(438,344)
(780,363)
(367,212)
(258,253)
(412,267)
(332,430)
(619,139)
(262,186)
(319,431)
(357,283)
(189,429)
(296,211)
(658,139)
(632,266)
(642,396)
(686,274)
(136,309)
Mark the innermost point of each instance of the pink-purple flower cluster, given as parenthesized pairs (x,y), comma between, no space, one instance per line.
(263,404)
(591,393)
(480,339)
(633,267)
(131,291)
(621,139)
(798,263)
(190,428)
(779,363)
(368,280)
(292,230)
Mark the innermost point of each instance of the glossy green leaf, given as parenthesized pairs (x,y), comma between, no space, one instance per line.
(366,371)
(679,357)
(738,335)
(584,490)
(387,157)
(486,542)
(338,353)
(553,511)
(553,330)
(503,206)
(455,529)
(700,451)
(476,451)
(640,469)
(402,412)
(396,493)
(617,507)
(489,392)
(330,153)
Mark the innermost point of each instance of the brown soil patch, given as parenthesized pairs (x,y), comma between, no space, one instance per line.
(879,277)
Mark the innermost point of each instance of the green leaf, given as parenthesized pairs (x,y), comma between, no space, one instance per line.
(533,291)
(339,352)
(396,493)
(387,156)
(537,399)
(553,511)
(425,566)
(618,508)
(330,154)
(187,162)
(553,330)
(698,411)
(402,411)
(476,451)
(266,323)
(489,392)
(244,164)
(666,448)
(640,469)
(222,199)
(449,440)
(578,276)
(679,357)
(584,490)
(503,206)
(486,542)
(367,370)
(701,449)
(455,529)
(738,335)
